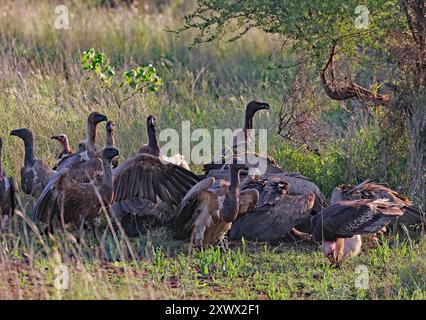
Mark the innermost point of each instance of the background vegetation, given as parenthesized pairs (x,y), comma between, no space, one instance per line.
(43,88)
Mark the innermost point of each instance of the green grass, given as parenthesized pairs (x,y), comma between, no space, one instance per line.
(43,88)
(164,269)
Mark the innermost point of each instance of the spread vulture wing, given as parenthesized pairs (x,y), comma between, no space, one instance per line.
(48,204)
(186,212)
(64,197)
(374,191)
(145,177)
(345,219)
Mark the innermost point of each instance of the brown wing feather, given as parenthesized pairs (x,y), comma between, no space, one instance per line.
(248,201)
(145,177)
(374,191)
(187,210)
(67,198)
(271,222)
(345,219)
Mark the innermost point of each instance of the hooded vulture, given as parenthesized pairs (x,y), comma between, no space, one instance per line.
(277,212)
(240,141)
(153,146)
(66,150)
(87,149)
(147,191)
(210,207)
(8,190)
(373,191)
(35,174)
(339,226)
(67,201)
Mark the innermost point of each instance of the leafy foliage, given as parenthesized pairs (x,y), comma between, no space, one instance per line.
(140,80)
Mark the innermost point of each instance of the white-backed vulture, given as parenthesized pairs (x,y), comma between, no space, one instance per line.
(147,191)
(66,150)
(276,214)
(87,148)
(35,174)
(8,190)
(374,191)
(210,207)
(153,146)
(240,142)
(339,226)
(66,201)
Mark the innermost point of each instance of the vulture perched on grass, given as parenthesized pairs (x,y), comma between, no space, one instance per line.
(240,141)
(339,227)
(66,150)
(153,146)
(373,191)
(147,192)
(277,212)
(8,190)
(87,149)
(35,174)
(66,201)
(210,207)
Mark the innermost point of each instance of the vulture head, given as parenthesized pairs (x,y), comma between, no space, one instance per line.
(151,121)
(109,153)
(336,251)
(254,106)
(22,133)
(62,138)
(110,126)
(96,118)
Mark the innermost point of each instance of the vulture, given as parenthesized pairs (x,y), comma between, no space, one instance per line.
(66,201)
(373,191)
(147,192)
(8,190)
(339,227)
(92,122)
(153,146)
(277,212)
(86,149)
(84,170)
(66,150)
(241,140)
(210,207)
(110,140)
(35,174)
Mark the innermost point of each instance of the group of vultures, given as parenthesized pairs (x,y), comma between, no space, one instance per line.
(227,202)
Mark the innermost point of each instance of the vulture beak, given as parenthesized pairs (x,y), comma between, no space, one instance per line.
(265,106)
(55,138)
(17,133)
(100,118)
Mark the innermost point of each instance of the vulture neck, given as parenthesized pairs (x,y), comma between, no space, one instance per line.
(107,182)
(110,140)
(29,150)
(232,202)
(66,147)
(249,120)
(91,136)
(152,141)
(1,165)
